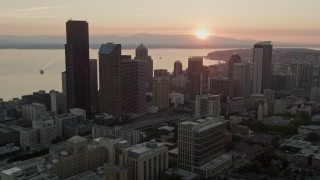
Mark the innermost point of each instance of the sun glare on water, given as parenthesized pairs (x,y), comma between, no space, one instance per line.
(202,33)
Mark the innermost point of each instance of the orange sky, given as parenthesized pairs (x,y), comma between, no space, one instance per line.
(276,20)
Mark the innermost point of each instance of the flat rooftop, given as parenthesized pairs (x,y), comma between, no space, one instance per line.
(298,143)
(23,164)
(88,175)
(216,162)
(174,151)
(186,174)
(107,48)
(8,149)
(263,43)
(209,126)
(312,127)
(11,171)
(6,130)
(189,123)
(143,150)
(76,139)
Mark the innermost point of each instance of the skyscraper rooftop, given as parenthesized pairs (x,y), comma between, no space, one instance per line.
(264,43)
(107,48)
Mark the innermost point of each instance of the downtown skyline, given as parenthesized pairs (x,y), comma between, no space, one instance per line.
(281,21)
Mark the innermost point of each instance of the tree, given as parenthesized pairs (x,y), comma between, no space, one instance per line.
(256,166)
(273,170)
(287,173)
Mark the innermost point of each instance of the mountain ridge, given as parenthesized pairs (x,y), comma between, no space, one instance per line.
(131,41)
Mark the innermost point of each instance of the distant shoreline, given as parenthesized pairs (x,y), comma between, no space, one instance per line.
(151,46)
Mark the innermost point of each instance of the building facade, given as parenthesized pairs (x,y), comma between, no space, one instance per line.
(78,65)
(94,86)
(262,67)
(109,76)
(195,76)
(133,80)
(233,59)
(201,145)
(241,78)
(177,69)
(222,86)
(161,92)
(142,54)
(78,157)
(207,106)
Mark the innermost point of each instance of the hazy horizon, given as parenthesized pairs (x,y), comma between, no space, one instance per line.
(246,19)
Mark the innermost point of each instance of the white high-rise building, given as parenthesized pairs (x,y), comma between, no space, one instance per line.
(141,161)
(58,102)
(201,145)
(280,107)
(207,105)
(315,94)
(262,67)
(34,111)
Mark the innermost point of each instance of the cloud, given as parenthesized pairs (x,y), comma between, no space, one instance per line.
(30,12)
(35,8)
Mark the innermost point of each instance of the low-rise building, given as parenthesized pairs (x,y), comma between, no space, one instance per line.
(239,130)
(106,119)
(308,157)
(131,135)
(215,167)
(34,111)
(64,120)
(78,157)
(236,105)
(9,135)
(176,99)
(269,94)
(207,106)
(277,120)
(29,138)
(182,174)
(8,149)
(280,107)
(305,130)
(293,145)
(88,175)
(141,161)
(297,108)
(147,160)
(22,169)
(173,154)
(77,129)
(81,113)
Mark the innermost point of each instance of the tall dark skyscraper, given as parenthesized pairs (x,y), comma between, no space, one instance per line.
(177,68)
(109,76)
(233,59)
(94,86)
(262,67)
(133,91)
(241,79)
(77,65)
(142,54)
(195,76)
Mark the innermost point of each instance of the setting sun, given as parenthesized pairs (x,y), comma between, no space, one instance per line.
(202,33)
